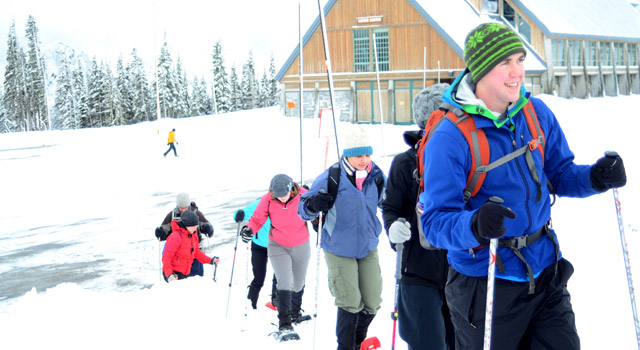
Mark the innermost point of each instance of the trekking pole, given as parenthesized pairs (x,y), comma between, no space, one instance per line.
(625,252)
(246,300)
(233,264)
(491,277)
(315,313)
(160,260)
(394,314)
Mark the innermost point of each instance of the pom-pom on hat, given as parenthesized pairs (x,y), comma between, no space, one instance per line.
(487,45)
(189,218)
(356,143)
(427,101)
(281,185)
(183,200)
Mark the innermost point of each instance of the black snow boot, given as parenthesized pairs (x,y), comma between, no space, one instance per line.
(274,291)
(364,320)
(285,329)
(296,308)
(346,329)
(254,291)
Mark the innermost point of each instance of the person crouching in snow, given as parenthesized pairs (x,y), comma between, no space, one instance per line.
(182,248)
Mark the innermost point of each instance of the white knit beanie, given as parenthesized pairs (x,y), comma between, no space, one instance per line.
(356,142)
(183,200)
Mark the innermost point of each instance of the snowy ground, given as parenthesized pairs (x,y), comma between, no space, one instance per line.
(79,264)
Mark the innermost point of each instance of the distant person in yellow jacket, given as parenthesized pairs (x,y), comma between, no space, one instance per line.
(172,142)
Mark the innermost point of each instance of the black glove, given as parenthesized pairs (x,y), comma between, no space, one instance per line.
(160,233)
(306,187)
(608,172)
(206,229)
(239,216)
(214,260)
(488,222)
(246,234)
(321,201)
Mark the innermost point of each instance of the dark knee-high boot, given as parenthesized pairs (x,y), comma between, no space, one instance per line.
(296,308)
(284,309)
(364,320)
(254,291)
(346,329)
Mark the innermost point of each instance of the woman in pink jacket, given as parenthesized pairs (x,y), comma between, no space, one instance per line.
(288,248)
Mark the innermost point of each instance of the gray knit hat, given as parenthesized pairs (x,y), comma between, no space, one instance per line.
(183,200)
(427,101)
(281,185)
(189,218)
(487,45)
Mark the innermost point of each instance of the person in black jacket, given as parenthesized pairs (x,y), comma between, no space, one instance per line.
(423,317)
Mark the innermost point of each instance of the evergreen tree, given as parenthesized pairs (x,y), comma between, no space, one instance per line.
(79,88)
(235,99)
(141,108)
(264,99)
(14,98)
(64,108)
(274,90)
(123,105)
(222,92)
(36,78)
(167,83)
(249,85)
(201,102)
(6,125)
(107,93)
(182,91)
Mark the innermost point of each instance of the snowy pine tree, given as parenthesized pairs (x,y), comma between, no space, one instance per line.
(274,90)
(167,88)
(182,91)
(64,107)
(35,78)
(141,108)
(122,97)
(222,91)
(16,116)
(235,98)
(249,85)
(264,99)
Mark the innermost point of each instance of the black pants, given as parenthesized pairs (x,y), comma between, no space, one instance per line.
(258,264)
(543,320)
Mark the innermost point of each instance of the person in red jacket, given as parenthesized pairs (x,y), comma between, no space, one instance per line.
(288,248)
(182,248)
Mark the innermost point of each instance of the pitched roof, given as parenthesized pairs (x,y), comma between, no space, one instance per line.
(452,20)
(584,19)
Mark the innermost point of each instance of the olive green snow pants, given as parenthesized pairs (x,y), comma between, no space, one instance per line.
(355,283)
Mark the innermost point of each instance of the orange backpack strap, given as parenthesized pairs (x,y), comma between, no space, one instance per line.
(479,149)
(534,127)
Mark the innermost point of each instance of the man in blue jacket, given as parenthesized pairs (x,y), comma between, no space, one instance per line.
(532,307)
(350,237)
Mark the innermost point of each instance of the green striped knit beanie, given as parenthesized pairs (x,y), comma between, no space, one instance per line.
(487,45)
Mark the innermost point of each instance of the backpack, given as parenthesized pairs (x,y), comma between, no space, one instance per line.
(479,147)
(333,183)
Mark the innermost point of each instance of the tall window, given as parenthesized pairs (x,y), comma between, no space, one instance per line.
(524,29)
(509,13)
(490,6)
(557,50)
(619,53)
(605,53)
(591,53)
(574,52)
(363,55)
(361,50)
(632,51)
(382,46)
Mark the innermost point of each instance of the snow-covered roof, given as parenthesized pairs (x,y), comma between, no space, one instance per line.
(452,21)
(584,19)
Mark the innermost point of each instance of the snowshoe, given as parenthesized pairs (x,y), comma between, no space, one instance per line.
(286,334)
(271,306)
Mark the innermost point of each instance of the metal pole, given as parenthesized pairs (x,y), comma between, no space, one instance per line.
(375,54)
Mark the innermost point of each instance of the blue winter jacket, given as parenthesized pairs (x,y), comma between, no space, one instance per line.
(262,236)
(447,219)
(351,227)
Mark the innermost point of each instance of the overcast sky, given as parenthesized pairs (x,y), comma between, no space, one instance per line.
(106,29)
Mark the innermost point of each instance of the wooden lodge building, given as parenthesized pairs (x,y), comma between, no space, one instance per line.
(573,51)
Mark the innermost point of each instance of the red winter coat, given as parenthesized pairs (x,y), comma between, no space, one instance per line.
(180,250)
